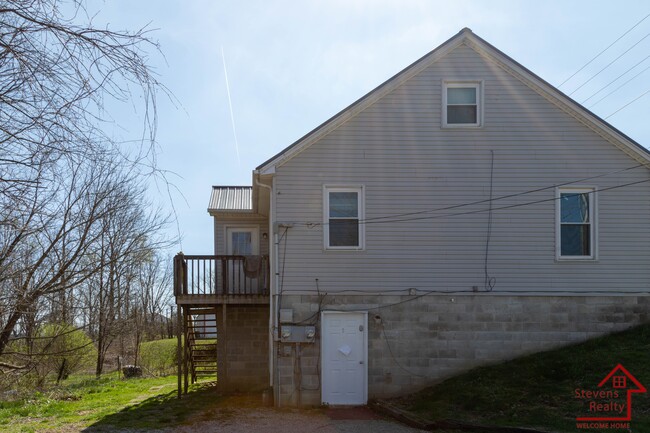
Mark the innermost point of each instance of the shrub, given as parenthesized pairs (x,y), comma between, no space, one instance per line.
(58,343)
(159,356)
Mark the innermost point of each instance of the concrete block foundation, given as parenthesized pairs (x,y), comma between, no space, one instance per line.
(244,339)
(414,342)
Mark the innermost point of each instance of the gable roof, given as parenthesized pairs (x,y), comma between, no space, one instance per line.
(231,199)
(467,37)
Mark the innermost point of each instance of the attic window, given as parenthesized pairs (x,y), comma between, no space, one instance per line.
(462,104)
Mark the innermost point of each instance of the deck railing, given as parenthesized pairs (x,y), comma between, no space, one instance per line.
(221,275)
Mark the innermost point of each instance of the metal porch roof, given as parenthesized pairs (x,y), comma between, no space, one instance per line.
(231,198)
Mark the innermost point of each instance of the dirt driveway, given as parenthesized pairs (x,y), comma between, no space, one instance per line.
(263,420)
(245,413)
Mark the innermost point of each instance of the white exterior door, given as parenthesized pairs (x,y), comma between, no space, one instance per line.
(344,352)
(242,241)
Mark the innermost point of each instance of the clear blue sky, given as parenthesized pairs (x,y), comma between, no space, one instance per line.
(293,64)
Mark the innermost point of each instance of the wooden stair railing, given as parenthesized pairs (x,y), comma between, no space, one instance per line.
(201,347)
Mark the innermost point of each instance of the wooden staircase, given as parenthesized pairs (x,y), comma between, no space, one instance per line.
(201,336)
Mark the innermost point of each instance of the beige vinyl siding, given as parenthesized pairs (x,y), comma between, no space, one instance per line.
(407,163)
(221,222)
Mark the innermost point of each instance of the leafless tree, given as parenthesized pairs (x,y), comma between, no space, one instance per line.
(47,251)
(56,77)
(151,302)
(128,243)
(71,207)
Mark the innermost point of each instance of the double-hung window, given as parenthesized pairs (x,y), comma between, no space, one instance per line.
(576,228)
(343,213)
(462,104)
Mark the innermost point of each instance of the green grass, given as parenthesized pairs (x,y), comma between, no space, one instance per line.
(106,404)
(537,391)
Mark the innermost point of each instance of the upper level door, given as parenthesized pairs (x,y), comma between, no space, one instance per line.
(242,241)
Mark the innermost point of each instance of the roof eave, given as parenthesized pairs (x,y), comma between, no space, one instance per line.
(560,99)
(270,165)
(230,212)
(550,92)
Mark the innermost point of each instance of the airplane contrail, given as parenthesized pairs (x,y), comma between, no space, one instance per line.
(232,116)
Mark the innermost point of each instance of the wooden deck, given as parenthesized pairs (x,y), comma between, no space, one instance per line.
(204,287)
(200,300)
(203,280)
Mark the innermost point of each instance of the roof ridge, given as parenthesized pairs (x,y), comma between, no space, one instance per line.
(469,38)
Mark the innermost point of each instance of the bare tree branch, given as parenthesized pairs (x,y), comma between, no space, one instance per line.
(75,228)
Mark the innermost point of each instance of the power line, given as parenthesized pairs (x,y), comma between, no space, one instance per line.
(608,47)
(531,191)
(390,351)
(431,217)
(613,91)
(610,64)
(425,292)
(399,217)
(617,78)
(633,100)
(488,282)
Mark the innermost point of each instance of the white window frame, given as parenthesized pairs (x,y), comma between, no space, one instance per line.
(360,190)
(252,229)
(476,84)
(593,222)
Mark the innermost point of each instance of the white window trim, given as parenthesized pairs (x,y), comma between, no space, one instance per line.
(255,236)
(360,190)
(593,221)
(478,85)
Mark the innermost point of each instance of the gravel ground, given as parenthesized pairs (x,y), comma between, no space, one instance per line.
(264,420)
(245,413)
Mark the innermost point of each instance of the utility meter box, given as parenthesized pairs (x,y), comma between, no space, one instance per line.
(297,334)
(286,315)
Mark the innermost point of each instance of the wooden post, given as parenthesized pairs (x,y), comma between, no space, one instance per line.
(223,335)
(178,274)
(224,276)
(170,323)
(186,352)
(179,359)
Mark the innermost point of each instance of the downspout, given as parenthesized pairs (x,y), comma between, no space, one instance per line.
(274,313)
(272,262)
(275,318)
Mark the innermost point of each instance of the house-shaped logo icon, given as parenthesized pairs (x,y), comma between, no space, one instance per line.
(619,379)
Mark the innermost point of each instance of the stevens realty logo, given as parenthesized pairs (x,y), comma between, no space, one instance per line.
(610,405)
